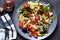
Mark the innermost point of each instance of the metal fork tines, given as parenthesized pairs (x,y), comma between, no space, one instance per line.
(8,18)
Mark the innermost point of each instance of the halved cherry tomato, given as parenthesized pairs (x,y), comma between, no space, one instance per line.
(28,26)
(34,33)
(33,22)
(26,5)
(29,13)
(47,14)
(31,30)
(37,17)
(20,24)
(44,22)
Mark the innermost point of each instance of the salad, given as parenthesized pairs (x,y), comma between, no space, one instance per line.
(34,18)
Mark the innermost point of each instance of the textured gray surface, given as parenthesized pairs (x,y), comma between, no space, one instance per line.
(56,34)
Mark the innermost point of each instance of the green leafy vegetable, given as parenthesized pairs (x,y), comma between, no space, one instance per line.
(52,18)
(39,34)
(45,8)
(40,23)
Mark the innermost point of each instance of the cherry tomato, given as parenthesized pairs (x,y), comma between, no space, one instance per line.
(44,22)
(37,17)
(20,24)
(26,5)
(33,22)
(29,13)
(47,14)
(31,30)
(28,26)
(35,34)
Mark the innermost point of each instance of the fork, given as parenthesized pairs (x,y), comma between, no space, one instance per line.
(11,25)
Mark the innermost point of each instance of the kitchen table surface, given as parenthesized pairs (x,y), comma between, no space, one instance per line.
(56,34)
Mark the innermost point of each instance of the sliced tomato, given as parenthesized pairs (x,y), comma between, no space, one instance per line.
(44,22)
(29,13)
(33,22)
(47,14)
(28,26)
(34,33)
(20,24)
(26,5)
(31,30)
(37,17)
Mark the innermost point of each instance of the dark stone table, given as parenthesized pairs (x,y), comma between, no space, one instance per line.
(56,34)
